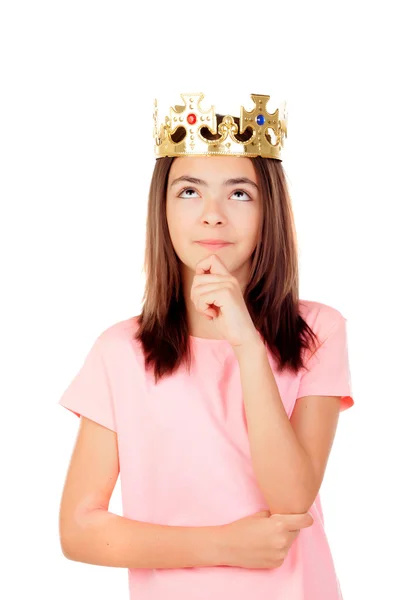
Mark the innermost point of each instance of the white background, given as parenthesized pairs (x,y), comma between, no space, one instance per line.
(78,80)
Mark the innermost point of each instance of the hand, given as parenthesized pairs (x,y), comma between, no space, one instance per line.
(261,540)
(217,294)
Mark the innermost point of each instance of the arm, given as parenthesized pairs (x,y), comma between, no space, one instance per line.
(90,533)
(107,539)
(288,455)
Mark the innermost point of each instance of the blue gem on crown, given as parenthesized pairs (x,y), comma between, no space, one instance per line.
(260,120)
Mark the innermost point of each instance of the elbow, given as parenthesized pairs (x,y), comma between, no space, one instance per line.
(73,549)
(69,545)
(68,538)
(297,501)
(282,508)
(65,551)
(75,530)
(303,502)
(285,508)
(67,548)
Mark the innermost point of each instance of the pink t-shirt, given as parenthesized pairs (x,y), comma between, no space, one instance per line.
(185,458)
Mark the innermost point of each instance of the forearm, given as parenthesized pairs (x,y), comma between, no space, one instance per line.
(281,466)
(106,539)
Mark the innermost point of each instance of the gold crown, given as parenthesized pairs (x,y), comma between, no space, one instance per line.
(190,130)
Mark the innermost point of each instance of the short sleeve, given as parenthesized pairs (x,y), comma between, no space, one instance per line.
(89,393)
(328,369)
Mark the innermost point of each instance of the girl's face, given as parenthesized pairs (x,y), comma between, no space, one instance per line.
(211,206)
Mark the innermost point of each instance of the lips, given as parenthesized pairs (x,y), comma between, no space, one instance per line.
(214,244)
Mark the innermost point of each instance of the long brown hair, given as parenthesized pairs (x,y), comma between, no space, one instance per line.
(271,295)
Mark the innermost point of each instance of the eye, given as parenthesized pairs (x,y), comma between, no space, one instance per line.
(186,190)
(192,190)
(242,192)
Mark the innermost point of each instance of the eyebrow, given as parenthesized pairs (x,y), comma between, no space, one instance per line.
(232,181)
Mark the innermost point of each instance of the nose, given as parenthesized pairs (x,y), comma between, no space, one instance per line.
(212,211)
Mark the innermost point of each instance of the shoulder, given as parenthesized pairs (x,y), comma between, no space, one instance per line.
(320,317)
(116,337)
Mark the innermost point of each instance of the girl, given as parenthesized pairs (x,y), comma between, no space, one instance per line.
(217,404)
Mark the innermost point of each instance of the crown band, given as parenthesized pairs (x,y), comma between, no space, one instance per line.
(190,130)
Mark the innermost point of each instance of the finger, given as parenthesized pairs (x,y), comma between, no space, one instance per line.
(295,521)
(210,302)
(209,278)
(204,302)
(211,263)
(215,297)
(206,288)
(211,313)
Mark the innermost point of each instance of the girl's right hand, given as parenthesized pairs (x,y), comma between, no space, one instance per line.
(261,540)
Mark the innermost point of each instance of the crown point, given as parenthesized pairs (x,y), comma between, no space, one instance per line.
(259,118)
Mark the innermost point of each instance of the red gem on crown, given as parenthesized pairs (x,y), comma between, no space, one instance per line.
(191,119)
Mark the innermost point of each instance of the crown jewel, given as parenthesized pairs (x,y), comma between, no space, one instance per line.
(190,130)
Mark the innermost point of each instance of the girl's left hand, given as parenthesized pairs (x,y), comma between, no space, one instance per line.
(217,294)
